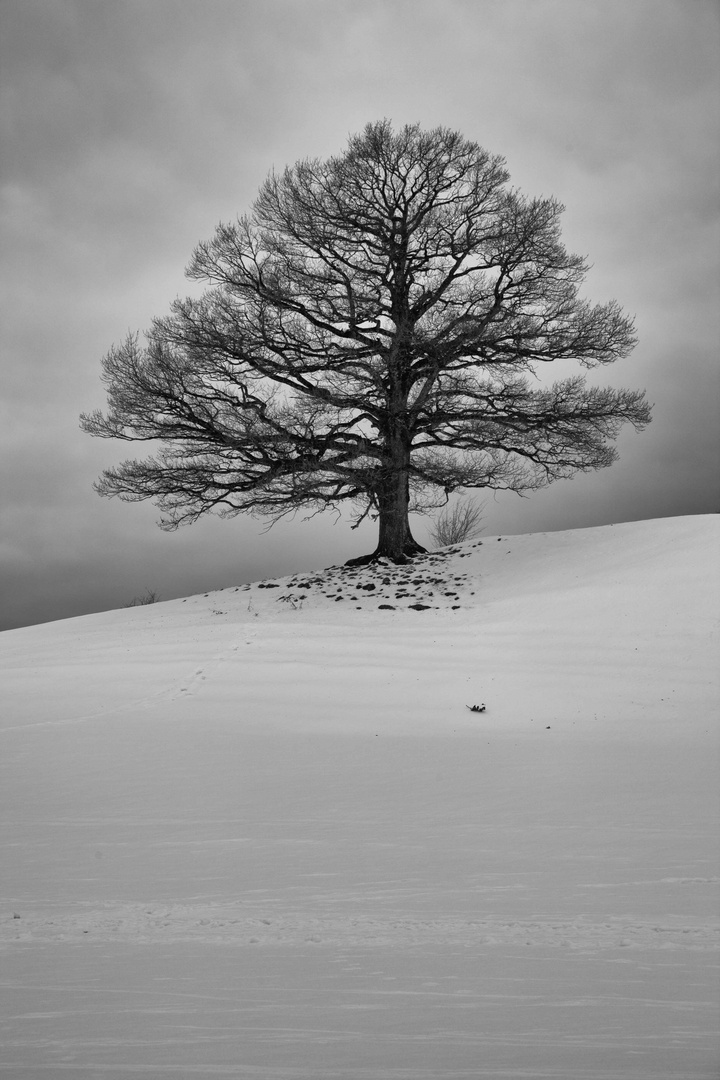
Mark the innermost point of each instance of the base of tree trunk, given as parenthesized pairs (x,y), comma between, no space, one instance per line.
(410,550)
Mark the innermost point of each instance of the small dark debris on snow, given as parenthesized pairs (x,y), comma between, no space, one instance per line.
(476,708)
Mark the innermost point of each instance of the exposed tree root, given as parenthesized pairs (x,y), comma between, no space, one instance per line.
(410,550)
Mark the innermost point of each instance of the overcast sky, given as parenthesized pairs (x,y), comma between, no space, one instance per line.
(130,129)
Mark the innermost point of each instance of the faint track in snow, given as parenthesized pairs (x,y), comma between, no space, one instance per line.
(243,924)
(181,687)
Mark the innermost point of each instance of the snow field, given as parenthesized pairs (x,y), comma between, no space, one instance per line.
(259,833)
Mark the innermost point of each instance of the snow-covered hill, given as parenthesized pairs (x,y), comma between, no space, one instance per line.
(261,832)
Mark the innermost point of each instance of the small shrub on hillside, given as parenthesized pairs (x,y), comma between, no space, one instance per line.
(148,597)
(457,523)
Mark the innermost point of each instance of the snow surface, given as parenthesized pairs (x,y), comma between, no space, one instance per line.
(259,833)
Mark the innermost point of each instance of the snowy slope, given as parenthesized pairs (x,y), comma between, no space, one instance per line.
(259,833)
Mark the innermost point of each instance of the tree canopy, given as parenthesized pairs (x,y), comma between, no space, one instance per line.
(370,337)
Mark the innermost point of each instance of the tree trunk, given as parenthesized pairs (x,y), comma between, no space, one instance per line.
(395,541)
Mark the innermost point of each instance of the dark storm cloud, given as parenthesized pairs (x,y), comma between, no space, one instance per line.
(130,129)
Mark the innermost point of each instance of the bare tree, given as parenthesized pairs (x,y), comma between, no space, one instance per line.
(456,523)
(367,340)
